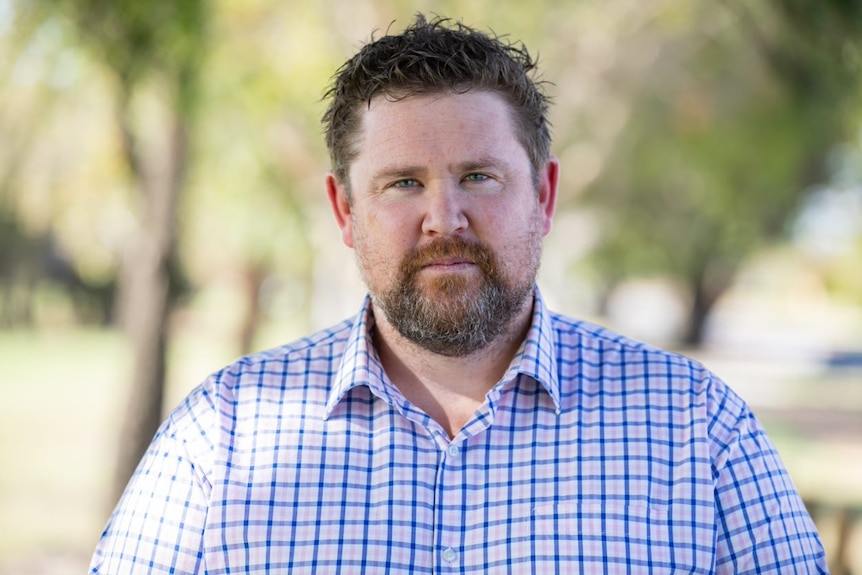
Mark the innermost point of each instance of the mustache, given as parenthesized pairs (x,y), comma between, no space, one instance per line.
(455,247)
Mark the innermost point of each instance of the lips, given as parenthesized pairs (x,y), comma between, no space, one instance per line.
(448,262)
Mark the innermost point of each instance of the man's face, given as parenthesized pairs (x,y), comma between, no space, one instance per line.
(445,217)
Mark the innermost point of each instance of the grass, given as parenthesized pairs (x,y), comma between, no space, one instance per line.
(60,400)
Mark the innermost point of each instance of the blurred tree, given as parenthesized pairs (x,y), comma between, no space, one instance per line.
(260,157)
(730,124)
(153,52)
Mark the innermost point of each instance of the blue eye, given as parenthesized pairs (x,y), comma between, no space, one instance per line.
(406,183)
(476,177)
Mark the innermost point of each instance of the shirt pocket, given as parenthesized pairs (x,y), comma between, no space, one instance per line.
(635,534)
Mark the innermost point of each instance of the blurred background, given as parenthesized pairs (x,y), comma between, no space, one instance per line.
(162,211)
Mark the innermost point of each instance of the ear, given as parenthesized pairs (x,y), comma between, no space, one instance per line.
(337,194)
(548,180)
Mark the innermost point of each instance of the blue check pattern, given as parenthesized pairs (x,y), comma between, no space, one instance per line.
(593,454)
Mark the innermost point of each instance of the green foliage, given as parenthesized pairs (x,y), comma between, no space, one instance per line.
(730,127)
(138,37)
(704,121)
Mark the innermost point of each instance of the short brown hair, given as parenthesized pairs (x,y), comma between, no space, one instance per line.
(432,57)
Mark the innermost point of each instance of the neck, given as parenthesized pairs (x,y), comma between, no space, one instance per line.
(448,389)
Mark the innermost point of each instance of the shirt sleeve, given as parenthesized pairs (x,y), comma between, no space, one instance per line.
(158,525)
(762,524)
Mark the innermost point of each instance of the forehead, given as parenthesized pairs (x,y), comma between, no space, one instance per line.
(432,126)
(474,106)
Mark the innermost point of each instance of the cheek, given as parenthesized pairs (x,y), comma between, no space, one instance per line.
(392,230)
(510,228)
(518,242)
(379,244)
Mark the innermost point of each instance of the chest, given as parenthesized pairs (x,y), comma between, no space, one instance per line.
(528,490)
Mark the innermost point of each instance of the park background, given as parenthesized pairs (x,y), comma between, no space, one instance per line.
(162,211)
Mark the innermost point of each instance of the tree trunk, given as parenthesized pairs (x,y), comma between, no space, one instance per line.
(145,286)
(697,316)
(706,286)
(253,277)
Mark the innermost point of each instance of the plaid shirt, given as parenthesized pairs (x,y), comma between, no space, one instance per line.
(593,454)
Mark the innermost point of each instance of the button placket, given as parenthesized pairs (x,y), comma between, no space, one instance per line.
(450,467)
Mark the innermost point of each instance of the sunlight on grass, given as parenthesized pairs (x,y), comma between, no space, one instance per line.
(65,393)
(57,436)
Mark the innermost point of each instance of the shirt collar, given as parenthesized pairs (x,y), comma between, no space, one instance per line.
(537,357)
(360,365)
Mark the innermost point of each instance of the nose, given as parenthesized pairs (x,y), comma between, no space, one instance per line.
(444,210)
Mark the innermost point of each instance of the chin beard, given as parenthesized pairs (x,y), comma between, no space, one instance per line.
(451,315)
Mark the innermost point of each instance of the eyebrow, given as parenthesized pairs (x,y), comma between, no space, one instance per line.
(482,163)
(397,172)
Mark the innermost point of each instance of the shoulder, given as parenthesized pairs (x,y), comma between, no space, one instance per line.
(590,350)
(598,361)
(297,370)
(309,358)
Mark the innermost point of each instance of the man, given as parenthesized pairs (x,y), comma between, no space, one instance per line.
(456,424)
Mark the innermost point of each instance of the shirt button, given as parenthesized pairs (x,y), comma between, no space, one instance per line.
(449,555)
(453,450)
